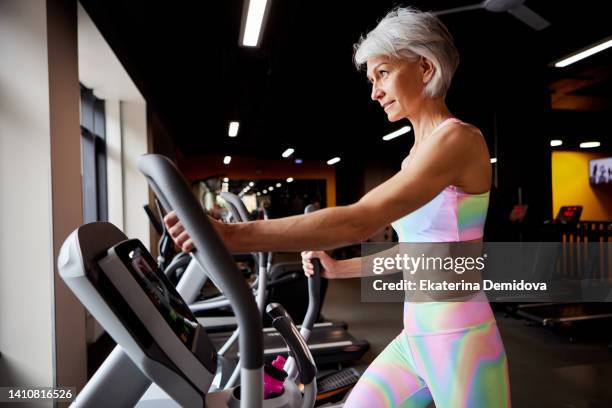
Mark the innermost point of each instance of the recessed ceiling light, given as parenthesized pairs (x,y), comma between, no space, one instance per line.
(588,145)
(233,129)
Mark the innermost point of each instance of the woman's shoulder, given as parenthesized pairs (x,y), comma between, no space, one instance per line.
(457,135)
(459,127)
(464,139)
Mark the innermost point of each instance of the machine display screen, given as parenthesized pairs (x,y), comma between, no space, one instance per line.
(518,213)
(569,213)
(161,292)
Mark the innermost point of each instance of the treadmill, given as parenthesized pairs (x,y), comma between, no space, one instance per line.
(567,316)
(329,343)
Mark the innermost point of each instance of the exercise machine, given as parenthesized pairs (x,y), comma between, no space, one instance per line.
(329,342)
(575,239)
(159,339)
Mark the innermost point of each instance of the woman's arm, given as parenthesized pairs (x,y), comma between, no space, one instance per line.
(442,158)
(347,268)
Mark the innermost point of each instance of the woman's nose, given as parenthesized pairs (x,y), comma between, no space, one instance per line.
(377,93)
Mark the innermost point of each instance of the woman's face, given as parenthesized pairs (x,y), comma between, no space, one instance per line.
(397,84)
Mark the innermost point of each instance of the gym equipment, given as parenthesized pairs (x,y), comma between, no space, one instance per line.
(119,282)
(573,318)
(165,246)
(284,285)
(329,342)
(334,386)
(569,214)
(518,213)
(320,338)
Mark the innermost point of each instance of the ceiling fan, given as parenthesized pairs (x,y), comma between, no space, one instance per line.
(514,7)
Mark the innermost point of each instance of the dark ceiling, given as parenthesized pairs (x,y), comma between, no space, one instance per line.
(300,88)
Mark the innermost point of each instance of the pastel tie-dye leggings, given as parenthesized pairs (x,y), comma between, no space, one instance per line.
(459,368)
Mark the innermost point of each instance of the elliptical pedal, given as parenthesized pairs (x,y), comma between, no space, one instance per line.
(334,386)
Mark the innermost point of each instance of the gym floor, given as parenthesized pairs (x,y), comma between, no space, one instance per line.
(546,369)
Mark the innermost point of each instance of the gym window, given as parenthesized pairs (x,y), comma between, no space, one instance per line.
(93,157)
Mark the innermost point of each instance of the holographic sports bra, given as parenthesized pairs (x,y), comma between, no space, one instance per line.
(451,216)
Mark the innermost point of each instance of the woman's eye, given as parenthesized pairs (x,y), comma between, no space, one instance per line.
(383,73)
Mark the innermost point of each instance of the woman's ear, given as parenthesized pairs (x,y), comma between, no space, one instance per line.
(427,69)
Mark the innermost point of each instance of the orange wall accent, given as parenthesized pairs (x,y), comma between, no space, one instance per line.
(570,186)
(250,168)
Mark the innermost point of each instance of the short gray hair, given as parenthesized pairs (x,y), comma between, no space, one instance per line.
(410,33)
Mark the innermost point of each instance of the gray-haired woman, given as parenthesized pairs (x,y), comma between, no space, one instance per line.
(449,352)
